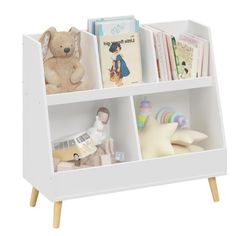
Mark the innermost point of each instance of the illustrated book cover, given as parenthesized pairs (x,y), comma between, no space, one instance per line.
(119,47)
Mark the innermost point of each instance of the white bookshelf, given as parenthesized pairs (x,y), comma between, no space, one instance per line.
(47,117)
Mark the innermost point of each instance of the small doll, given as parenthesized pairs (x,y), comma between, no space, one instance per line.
(97,131)
(119,68)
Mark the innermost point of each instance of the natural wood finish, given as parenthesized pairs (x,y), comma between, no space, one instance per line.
(214,189)
(34,197)
(57,214)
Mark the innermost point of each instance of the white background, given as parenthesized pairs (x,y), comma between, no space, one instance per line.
(177,209)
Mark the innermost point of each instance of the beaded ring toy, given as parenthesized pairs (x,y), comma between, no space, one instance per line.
(168,115)
(144,112)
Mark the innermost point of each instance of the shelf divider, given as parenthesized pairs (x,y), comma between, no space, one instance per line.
(135,126)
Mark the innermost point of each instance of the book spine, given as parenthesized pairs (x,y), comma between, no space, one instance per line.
(167,58)
(195,62)
(176,57)
(205,63)
(160,55)
(171,56)
(200,60)
(157,58)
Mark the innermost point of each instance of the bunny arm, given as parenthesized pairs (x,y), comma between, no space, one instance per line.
(78,73)
(51,76)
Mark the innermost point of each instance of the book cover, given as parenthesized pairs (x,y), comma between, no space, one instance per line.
(160,52)
(176,56)
(158,39)
(167,57)
(92,22)
(206,46)
(120,59)
(171,50)
(195,43)
(116,27)
(188,58)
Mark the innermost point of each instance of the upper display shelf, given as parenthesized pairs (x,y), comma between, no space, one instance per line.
(144,88)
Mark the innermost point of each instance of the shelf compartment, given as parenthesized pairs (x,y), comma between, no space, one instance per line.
(179,27)
(144,88)
(89,59)
(79,117)
(137,174)
(200,108)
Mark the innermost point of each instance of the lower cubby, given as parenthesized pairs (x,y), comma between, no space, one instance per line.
(137,174)
(78,117)
(199,108)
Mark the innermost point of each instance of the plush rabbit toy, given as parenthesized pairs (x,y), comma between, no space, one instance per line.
(63,70)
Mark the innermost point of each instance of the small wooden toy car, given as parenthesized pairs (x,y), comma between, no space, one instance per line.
(73,147)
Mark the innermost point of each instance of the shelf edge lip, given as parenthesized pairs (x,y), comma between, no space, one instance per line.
(156,159)
(131,90)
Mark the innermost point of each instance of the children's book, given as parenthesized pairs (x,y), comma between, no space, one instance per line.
(91,22)
(161,53)
(116,27)
(119,48)
(188,59)
(195,43)
(167,57)
(171,44)
(205,60)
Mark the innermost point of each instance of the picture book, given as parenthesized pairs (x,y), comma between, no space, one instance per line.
(171,44)
(161,57)
(116,27)
(195,43)
(91,22)
(188,60)
(119,48)
(205,60)
(120,59)
(161,53)
(167,58)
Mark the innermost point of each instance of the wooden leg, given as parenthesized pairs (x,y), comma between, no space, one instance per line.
(34,197)
(57,214)
(214,190)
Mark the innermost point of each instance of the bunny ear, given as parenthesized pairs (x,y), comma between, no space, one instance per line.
(77,35)
(45,38)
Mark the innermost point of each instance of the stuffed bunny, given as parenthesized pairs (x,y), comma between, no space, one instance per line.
(63,70)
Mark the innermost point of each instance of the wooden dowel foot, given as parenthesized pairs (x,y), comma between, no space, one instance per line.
(214,189)
(57,214)
(34,197)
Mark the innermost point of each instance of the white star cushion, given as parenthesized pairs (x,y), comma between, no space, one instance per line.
(155,138)
(195,148)
(178,149)
(186,137)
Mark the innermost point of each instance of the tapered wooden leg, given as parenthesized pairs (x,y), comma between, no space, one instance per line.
(214,189)
(34,197)
(57,214)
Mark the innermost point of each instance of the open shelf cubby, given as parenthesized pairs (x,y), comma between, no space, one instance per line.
(198,105)
(48,117)
(78,117)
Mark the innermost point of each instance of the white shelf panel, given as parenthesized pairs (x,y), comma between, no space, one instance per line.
(144,88)
(136,174)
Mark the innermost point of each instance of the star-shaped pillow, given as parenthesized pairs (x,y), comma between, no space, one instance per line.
(178,149)
(155,138)
(186,137)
